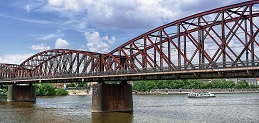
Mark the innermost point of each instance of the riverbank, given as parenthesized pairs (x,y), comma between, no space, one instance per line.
(78,92)
(186,91)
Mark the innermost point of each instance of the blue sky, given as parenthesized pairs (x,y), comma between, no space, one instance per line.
(31,26)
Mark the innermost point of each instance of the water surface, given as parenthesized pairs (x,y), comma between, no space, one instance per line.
(225,108)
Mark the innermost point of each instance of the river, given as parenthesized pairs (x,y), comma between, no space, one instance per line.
(225,108)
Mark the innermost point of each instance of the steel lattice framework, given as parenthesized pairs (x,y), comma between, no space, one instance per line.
(7,70)
(222,41)
(59,62)
(223,37)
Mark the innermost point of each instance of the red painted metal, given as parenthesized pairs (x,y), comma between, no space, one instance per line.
(7,70)
(221,39)
(214,37)
(59,62)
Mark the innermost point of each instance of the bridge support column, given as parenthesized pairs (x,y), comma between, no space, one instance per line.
(22,93)
(112,97)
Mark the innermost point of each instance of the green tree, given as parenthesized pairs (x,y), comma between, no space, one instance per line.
(60,92)
(71,85)
(193,83)
(188,84)
(242,84)
(138,85)
(45,90)
(229,84)
(149,85)
(160,84)
(217,83)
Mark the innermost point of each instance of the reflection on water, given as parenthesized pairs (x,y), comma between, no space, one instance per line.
(113,117)
(228,108)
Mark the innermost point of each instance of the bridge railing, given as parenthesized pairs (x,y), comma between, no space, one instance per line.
(205,66)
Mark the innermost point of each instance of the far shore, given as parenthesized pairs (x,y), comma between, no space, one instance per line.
(175,91)
(186,91)
(78,92)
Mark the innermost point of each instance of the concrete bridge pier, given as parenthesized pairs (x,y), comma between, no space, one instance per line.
(21,93)
(112,97)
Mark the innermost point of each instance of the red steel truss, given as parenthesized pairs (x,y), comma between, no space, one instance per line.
(223,40)
(7,70)
(59,62)
(222,37)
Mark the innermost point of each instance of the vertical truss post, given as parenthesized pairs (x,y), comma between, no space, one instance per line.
(70,61)
(179,45)
(246,41)
(251,34)
(223,40)
(169,52)
(92,65)
(77,63)
(101,66)
(161,49)
(155,65)
(144,58)
(120,58)
(184,50)
(123,62)
(201,43)
(131,57)
(46,66)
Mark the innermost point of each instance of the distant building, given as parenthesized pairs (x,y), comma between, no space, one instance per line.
(257,79)
(206,80)
(250,81)
(235,80)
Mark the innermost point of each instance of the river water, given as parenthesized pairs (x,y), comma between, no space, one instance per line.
(225,108)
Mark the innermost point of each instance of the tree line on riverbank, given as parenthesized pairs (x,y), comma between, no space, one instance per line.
(49,90)
(41,90)
(147,85)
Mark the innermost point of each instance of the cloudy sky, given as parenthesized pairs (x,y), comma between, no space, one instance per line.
(30,26)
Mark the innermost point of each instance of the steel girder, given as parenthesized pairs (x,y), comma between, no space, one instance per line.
(225,37)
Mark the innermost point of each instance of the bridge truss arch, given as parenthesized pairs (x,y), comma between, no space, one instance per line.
(59,62)
(219,38)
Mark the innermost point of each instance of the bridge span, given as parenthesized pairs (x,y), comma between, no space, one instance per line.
(219,43)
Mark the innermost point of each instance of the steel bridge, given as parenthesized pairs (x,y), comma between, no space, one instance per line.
(219,43)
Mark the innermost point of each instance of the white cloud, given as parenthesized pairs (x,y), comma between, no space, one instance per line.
(49,36)
(14,58)
(96,43)
(74,5)
(25,19)
(61,44)
(131,13)
(27,8)
(40,47)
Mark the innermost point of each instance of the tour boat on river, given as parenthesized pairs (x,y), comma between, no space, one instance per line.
(201,95)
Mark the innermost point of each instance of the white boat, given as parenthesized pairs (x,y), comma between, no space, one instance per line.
(201,95)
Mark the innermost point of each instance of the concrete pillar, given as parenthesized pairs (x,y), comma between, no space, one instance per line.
(22,93)
(112,97)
